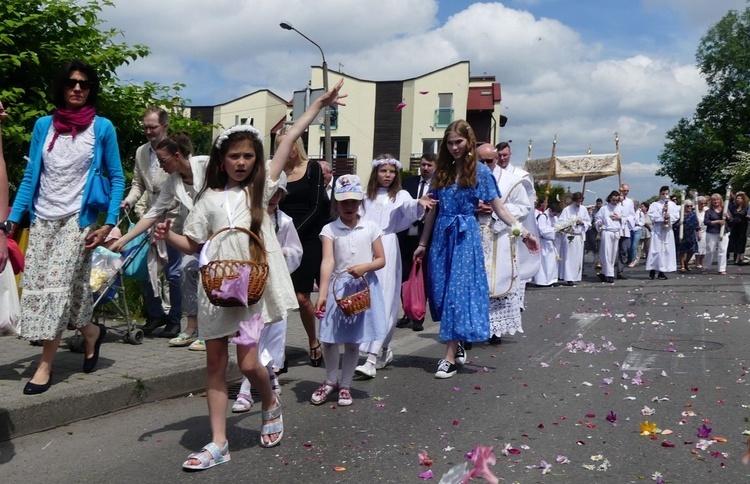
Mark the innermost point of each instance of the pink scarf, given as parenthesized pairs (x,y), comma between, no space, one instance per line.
(71,121)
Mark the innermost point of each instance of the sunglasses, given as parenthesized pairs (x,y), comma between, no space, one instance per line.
(488,160)
(85,85)
(162,161)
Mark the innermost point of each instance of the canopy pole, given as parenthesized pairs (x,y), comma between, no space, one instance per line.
(551,170)
(619,163)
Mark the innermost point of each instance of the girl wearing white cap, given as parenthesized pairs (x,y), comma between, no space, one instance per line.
(351,245)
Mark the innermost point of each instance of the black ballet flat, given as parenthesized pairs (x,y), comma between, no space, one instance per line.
(90,363)
(36,389)
(284,369)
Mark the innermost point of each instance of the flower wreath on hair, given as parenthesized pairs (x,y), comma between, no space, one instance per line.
(386,161)
(236,129)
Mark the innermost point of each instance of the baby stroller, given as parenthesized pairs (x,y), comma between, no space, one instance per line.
(112,288)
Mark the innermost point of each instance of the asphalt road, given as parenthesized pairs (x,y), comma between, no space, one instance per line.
(677,349)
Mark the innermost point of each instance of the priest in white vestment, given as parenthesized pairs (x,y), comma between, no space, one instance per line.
(662,253)
(609,222)
(573,223)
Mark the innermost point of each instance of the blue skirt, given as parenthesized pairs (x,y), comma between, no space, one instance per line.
(367,326)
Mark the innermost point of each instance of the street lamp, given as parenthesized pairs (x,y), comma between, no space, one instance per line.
(326,117)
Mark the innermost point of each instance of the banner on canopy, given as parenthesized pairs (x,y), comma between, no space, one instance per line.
(574,168)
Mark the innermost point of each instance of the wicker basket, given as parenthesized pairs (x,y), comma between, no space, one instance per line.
(354,303)
(213,273)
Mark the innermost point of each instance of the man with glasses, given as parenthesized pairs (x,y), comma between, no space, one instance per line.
(148,177)
(502,252)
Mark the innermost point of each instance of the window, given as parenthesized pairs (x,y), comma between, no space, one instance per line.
(430,146)
(339,146)
(239,120)
(444,112)
(333,115)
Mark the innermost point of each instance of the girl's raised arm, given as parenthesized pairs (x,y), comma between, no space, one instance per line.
(299,127)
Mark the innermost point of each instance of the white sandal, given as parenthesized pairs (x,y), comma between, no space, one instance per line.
(272,428)
(243,403)
(209,456)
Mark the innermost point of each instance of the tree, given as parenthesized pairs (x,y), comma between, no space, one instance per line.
(36,38)
(698,150)
(556,192)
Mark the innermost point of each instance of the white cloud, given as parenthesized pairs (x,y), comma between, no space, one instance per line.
(700,13)
(553,81)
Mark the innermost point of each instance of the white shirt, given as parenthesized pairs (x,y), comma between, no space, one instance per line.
(64,172)
(351,245)
(604,220)
(628,215)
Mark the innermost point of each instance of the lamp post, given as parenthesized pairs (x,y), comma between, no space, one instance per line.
(326,117)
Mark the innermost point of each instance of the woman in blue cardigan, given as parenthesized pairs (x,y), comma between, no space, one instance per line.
(69,153)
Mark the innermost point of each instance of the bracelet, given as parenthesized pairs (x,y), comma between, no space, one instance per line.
(422,245)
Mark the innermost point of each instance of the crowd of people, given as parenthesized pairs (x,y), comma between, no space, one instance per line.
(620,232)
(468,215)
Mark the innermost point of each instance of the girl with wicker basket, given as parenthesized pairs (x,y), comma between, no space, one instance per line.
(234,198)
(393,210)
(352,252)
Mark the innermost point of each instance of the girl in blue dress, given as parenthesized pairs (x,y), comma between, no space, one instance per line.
(457,284)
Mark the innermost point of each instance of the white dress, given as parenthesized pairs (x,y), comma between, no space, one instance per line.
(571,266)
(547,274)
(390,216)
(702,241)
(209,214)
(662,253)
(611,231)
(352,246)
(273,337)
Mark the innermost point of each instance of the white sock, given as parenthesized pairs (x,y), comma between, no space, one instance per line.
(349,363)
(331,360)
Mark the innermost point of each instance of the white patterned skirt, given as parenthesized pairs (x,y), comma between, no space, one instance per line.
(56,291)
(505,313)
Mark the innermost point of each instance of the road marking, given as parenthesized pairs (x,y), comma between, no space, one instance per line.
(582,322)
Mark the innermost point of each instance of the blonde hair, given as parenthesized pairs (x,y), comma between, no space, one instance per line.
(299,145)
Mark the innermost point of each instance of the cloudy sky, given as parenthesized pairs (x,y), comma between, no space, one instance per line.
(580,69)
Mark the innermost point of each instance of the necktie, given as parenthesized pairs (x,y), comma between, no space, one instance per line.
(414,230)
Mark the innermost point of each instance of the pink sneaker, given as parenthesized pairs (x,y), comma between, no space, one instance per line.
(320,395)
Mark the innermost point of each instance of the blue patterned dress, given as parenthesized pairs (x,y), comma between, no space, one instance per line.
(458,290)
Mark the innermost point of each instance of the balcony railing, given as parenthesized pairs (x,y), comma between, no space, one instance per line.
(342,165)
(443,117)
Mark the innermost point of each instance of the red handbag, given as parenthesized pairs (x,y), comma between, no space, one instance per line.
(15,256)
(412,293)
